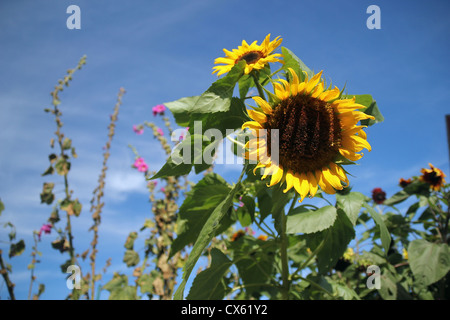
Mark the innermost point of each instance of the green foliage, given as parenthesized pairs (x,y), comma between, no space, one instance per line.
(209,284)
(384,233)
(429,261)
(214,109)
(197,208)
(294,62)
(207,232)
(120,289)
(332,242)
(302,220)
(16,249)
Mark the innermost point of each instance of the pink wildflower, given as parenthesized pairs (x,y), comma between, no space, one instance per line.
(183,135)
(143,168)
(47,228)
(138,129)
(160,131)
(159,109)
(140,164)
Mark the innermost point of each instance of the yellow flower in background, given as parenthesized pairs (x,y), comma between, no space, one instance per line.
(433,176)
(405,254)
(315,129)
(256,56)
(349,254)
(262,237)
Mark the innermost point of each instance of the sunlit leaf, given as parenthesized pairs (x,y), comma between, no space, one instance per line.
(208,285)
(429,261)
(302,220)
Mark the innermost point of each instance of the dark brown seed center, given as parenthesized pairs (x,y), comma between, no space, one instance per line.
(251,57)
(432,178)
(309,133)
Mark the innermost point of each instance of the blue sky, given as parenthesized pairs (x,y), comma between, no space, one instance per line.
(160,51)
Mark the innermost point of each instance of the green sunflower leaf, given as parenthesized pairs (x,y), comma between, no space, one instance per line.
(207,232)
(208,284)
(334,242)
(196,209)
(294,62)
(206,133)
(302,220)
(429,261)
(384,233)
(216,99)
(351,204)
(255,261)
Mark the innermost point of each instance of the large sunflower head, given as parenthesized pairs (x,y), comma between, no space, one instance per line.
(433,176)
(256,56)
(314,131)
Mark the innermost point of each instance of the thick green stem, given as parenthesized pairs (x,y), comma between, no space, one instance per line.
(258,85)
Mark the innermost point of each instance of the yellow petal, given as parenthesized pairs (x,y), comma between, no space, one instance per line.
(259,165)
(301,185)
(318,90)
(258,116)
(276,177)
(313,186)
(330,94)
(252,125)
(294,82)
(269,170)
(289,181)
(324,185)
(331,178)
(338,171)
(263,104)
(350,155)
(313,82)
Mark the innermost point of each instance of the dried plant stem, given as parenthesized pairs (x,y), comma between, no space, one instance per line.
(96,202)
(65,144)
(5,275)
(33,264)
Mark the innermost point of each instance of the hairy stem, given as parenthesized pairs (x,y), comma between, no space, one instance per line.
(96,201)
(5,275)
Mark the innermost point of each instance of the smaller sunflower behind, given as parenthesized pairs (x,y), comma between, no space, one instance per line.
(434,177)
(256,56)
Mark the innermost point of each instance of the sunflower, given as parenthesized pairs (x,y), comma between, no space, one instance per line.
(434,176)
(315,132)
(256,56)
